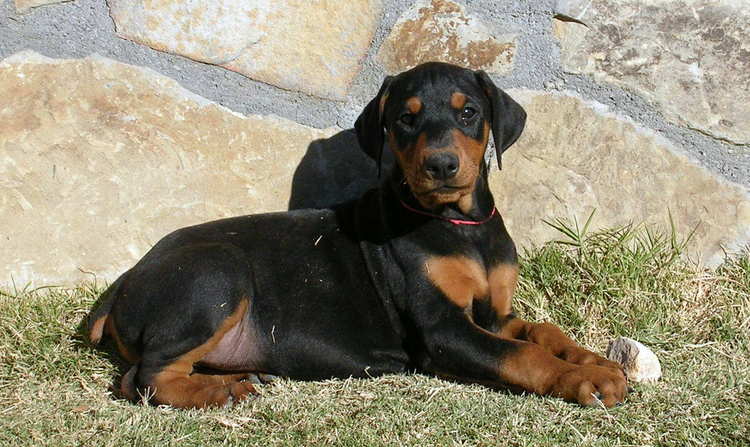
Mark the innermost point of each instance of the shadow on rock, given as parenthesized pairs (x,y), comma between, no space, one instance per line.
(334,170)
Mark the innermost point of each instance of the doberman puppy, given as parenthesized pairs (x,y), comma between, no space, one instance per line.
(417,274)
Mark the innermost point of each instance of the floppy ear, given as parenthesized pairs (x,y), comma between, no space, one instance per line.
(369,125)
(508,117)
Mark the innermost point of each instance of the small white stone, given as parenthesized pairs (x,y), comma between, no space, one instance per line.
(639,362)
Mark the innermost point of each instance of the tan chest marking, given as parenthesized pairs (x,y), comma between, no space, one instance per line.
(460,278)
(463,279)
(503,279)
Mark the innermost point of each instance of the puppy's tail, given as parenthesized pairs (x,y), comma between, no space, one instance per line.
(98,318)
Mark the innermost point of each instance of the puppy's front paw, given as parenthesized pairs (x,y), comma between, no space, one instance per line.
(580,356)
(590,384)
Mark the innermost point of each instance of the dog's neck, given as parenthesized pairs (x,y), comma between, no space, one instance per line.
(476,206)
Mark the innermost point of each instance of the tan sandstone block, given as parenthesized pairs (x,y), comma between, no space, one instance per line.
(312,47)
(99,160)
(576,157)
(441,30)
(691,57)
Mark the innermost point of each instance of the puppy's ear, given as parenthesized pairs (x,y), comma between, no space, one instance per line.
(369,125)
(508,117)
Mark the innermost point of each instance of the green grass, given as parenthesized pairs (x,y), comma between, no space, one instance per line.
(55,390)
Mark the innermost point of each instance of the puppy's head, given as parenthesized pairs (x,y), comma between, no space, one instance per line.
(437,119)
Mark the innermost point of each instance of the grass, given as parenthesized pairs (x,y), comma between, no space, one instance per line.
(55,390)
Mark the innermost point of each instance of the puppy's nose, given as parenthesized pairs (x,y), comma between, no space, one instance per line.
(441,166)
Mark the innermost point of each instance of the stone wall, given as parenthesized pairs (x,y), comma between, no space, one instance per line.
(123,120)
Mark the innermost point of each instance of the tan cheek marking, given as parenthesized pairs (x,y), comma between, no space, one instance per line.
(420,148)
(461,279)
(469,153)
(469,149)
(458,100)
(411,158)
(503,279)
(414,105)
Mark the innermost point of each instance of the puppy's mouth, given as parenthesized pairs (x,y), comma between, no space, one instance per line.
(442,189)
(442,194)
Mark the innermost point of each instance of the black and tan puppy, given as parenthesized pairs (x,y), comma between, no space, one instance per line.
(417,274)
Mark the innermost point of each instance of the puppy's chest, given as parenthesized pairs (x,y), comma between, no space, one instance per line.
(463,280)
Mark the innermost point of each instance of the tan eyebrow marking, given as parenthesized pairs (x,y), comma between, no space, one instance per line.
(458,100)
(414,104)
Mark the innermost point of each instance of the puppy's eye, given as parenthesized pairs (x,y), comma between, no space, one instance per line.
(468,113)
(406,119)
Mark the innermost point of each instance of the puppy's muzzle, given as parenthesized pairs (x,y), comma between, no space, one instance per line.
(442,166)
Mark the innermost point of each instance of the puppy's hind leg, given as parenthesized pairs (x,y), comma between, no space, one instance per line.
(171,381)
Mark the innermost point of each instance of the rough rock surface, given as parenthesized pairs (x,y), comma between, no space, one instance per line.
(638,361)
(99,160)
(576,157)
(312,47)
(441,30)
(690,57)
(25,5)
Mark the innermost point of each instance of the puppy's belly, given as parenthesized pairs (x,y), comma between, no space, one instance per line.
(237,350)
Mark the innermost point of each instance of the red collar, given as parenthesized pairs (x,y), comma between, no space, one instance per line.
(447,219)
